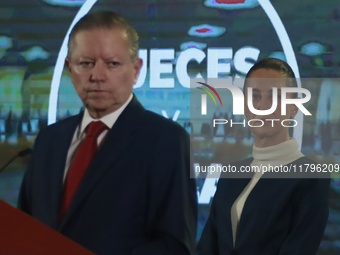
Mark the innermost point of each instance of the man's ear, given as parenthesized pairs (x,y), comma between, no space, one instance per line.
(67,64)
(137,66)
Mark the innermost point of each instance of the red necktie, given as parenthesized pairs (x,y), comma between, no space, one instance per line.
(80,163)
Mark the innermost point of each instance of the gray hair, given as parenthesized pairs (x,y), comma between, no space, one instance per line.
(109,20)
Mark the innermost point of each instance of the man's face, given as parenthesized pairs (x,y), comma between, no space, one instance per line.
(102,70)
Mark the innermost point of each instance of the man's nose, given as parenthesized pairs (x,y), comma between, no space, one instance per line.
(98,72)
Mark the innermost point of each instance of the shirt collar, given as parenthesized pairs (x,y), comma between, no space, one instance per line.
(109,120)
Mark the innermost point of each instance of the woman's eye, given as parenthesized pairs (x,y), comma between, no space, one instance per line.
(256,97)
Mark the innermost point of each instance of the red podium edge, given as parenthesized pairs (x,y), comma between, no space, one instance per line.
(22,234)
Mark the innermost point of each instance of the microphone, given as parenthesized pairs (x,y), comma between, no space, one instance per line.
(21,153)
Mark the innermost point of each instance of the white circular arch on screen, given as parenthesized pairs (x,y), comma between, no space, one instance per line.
(265,4)
(59,66)
(290,56)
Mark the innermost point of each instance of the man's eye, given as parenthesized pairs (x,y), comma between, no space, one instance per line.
(86,63)
(113,63)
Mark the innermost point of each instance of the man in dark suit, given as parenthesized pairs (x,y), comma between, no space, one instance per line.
(135,196)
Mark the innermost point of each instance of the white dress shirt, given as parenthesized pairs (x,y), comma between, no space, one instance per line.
(79,134)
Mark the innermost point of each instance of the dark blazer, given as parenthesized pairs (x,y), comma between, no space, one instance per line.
(137,196)
(280,217)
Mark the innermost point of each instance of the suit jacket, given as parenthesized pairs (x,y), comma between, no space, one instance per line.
(280,217)
(136,197)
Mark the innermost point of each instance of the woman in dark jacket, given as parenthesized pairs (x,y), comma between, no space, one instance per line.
(268,214)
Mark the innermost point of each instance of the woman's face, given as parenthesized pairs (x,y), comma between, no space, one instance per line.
(262,82)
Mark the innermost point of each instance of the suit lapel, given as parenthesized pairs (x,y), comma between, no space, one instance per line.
(237,186)
(116,143)
(231,192)
(243,228)
(56,171)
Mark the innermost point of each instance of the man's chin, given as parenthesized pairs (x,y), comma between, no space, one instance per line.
(102,109)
